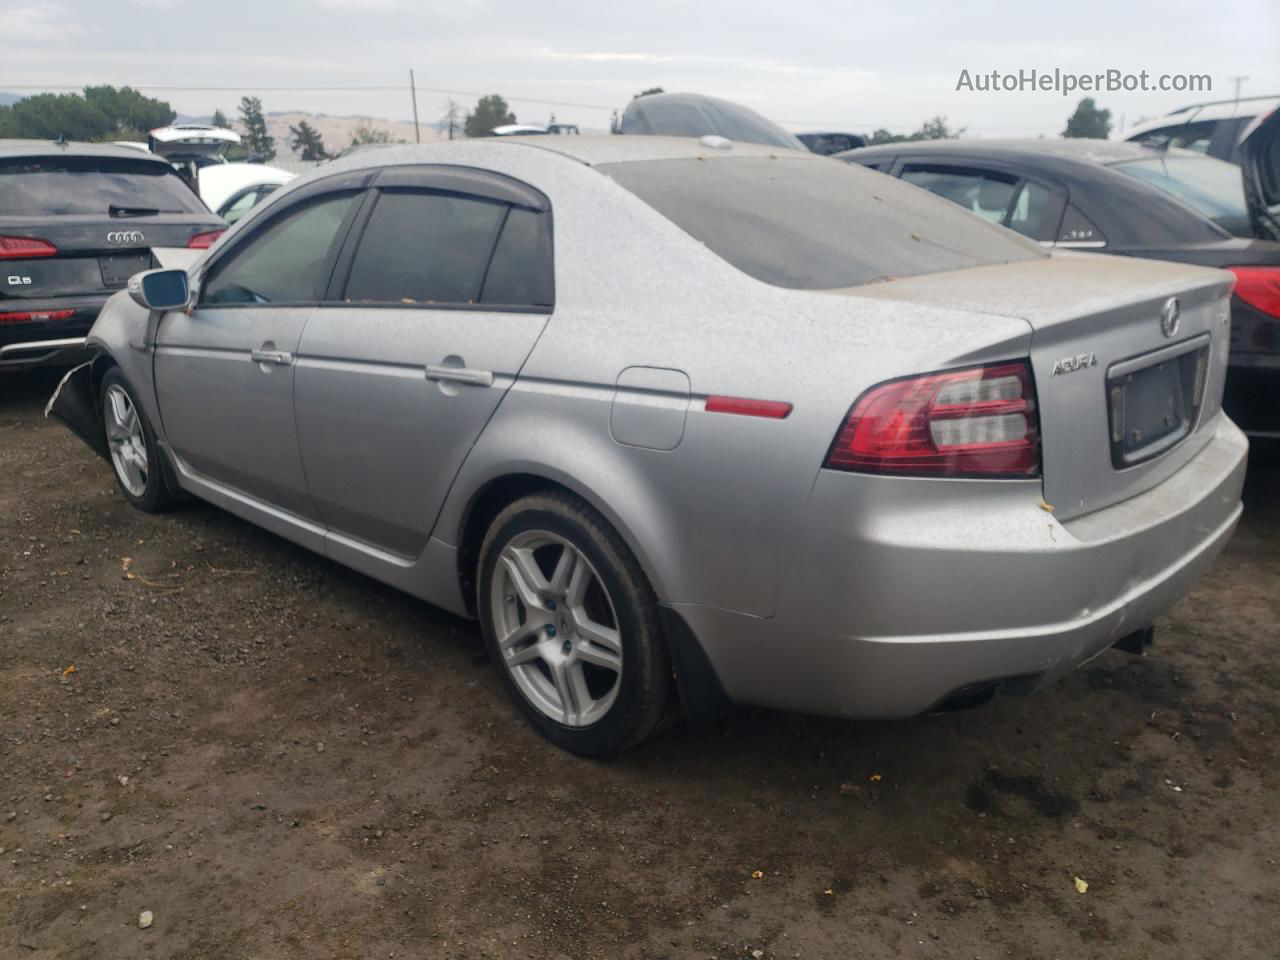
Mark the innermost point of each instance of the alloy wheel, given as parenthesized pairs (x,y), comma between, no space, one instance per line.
(557,629)
(126,440)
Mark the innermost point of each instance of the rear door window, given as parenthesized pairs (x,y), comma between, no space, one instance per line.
(288,261)
(989,195)
(426,247)
(92,186)
(1037,212)
(808,223)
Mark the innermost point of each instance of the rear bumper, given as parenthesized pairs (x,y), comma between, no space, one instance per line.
(902,592)
(47,343)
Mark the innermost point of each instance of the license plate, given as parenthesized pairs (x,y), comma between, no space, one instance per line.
(118,268)
(1151,409)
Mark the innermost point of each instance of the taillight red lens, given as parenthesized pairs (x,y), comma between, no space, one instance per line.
(203,241)
(36,316)
(978,422)
(1259,287)
(25,248)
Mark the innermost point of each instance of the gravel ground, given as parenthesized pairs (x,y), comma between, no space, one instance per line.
(279,758)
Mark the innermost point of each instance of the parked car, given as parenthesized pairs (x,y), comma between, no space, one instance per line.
(191,147)
(529,129)
(76,221)
(518,130)
(828,143)
(696,115)
(756,424)
(1128,199)
(1218,128)
(233,189)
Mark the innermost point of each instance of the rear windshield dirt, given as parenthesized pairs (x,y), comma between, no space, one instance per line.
(73,185)
(816,224)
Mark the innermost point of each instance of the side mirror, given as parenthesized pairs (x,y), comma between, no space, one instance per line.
(160,289)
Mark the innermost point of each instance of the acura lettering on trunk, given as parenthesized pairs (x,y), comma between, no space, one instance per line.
(1071,364)
(682,423)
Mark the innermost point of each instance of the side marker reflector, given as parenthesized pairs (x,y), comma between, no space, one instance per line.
(746,407)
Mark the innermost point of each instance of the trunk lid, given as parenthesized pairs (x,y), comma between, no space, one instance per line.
(1108,358)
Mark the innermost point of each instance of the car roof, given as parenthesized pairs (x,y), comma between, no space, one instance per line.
(72,148)
(613,148)
(1213,110)
(589,149)
(1064,156)
(1047,151)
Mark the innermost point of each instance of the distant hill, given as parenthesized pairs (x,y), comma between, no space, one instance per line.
(335,131)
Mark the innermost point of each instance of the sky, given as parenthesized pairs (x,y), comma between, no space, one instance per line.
(809,64)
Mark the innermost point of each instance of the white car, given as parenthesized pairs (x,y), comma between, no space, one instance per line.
(233,189)
(1217,129)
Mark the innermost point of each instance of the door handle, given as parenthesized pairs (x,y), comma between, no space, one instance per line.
(477,378)
(281,358)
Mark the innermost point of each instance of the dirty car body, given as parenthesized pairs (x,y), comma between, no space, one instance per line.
(865,475)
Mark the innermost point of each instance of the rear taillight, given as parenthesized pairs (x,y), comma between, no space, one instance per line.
(1259,287)
(203,241)
(36,316)
(978,422)
(25,248)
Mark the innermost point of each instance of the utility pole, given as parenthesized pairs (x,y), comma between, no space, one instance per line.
(1237,81)
(413,92)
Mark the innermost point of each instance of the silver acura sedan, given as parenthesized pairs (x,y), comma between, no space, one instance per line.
(682,421)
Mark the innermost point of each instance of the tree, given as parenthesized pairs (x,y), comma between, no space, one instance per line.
(256,139)
(130,114)
(47,116)
(364,134)
(219,119)
(1088,121)
(450,121)
(490,112)
(935,129)
(306,140)
(645,93)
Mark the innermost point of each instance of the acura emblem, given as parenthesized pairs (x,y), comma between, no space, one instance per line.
(125,236)
(1170,316)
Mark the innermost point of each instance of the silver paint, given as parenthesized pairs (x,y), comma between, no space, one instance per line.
(809,589)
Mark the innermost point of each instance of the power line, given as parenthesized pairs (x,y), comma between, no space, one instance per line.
(306,89)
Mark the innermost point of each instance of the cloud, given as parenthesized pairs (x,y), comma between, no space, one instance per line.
(50,25)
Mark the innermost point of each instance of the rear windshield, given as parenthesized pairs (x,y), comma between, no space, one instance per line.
(815,224)
(1214,188)
(53,186)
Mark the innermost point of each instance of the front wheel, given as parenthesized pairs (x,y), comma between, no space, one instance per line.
(131,443)
(571,622)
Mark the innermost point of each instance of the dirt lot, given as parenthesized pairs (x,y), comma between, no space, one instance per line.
(279,758)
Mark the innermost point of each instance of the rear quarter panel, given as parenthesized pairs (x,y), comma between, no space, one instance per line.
(711,520)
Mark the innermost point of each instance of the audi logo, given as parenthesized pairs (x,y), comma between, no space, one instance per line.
(125,236)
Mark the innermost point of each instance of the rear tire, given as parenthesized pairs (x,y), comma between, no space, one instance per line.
(131,445)
(571,623)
